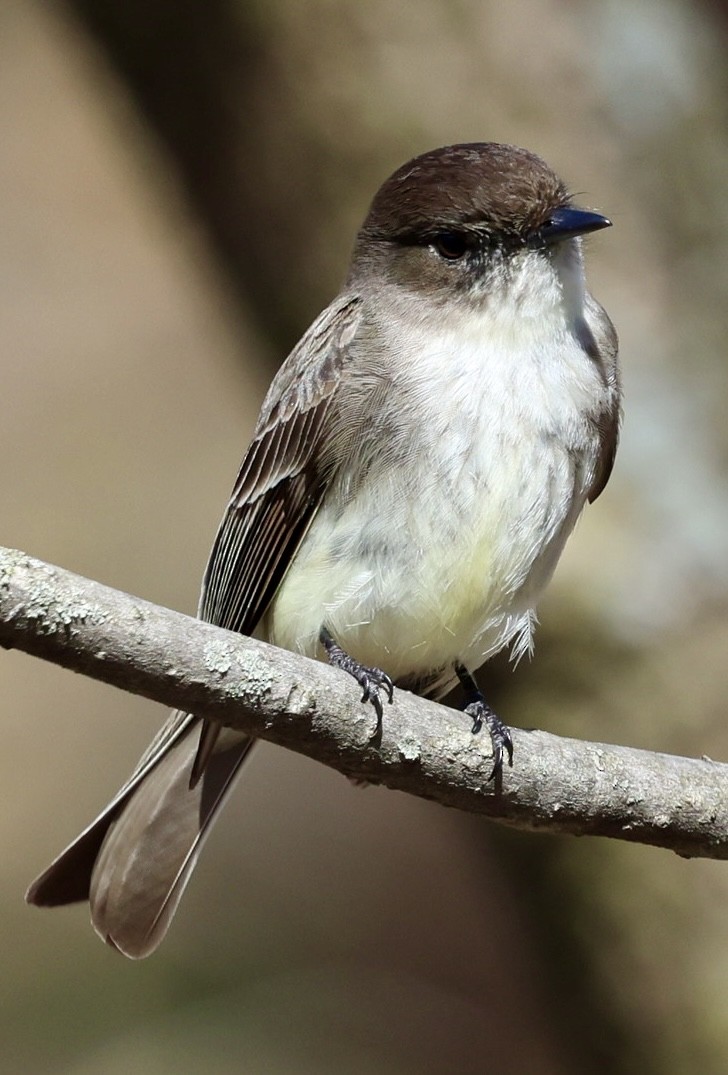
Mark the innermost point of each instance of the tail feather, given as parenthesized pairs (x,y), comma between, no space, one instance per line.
(68,878)
(151,849)
(133,862)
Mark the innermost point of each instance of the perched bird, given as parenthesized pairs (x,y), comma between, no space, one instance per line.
(417,466)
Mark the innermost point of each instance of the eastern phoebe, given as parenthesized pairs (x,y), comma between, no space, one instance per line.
(417,466)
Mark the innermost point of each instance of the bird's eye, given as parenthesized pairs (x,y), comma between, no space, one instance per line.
(451,245)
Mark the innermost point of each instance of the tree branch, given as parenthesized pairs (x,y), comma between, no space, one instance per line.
(556,784)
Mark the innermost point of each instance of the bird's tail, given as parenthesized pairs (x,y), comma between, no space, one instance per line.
(135,859)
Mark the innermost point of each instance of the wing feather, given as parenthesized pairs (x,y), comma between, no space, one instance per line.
(606,350)
(279,486)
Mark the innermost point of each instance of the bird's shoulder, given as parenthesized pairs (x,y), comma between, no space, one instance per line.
(292,415)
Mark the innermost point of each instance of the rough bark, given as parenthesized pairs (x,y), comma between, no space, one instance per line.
(556,784)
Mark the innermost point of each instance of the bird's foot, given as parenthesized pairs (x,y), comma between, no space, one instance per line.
(373,681)
(500,735)
(481,714)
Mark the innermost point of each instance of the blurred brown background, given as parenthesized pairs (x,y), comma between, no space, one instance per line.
(180,184)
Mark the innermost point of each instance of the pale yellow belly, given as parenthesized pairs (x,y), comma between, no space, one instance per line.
(414,584)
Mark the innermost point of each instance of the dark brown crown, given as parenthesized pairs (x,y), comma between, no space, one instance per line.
(498,190)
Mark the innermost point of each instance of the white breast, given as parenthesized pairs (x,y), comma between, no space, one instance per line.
(442,554)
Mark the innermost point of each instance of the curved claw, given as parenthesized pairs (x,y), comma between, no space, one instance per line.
(371,693)
(500,736)
(371,680)
(381,680)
